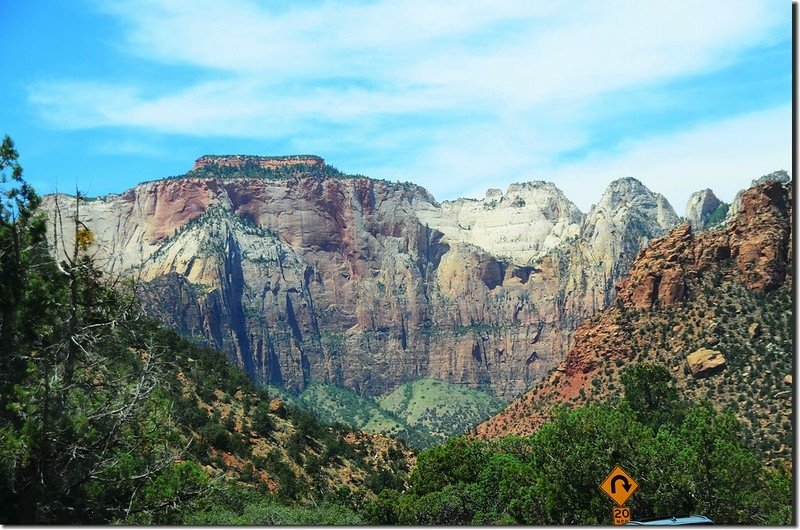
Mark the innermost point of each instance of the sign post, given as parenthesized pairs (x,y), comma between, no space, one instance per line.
(619,486)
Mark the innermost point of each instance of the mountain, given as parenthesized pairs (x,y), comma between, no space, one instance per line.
(691,301)
(622,223)
(301,273)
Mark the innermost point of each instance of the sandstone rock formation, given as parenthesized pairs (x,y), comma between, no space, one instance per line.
(781,177)
(622,223)
(705,362)
(521,225)
(301,273)
(700,206)
(758,241)
(753,250)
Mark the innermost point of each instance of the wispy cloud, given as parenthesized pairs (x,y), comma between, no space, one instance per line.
(129,147)
(474,91)
(724,155)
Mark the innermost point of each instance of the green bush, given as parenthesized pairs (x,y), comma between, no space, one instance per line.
(263,422)
(217,436)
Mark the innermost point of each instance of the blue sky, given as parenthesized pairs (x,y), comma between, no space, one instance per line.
(457,96)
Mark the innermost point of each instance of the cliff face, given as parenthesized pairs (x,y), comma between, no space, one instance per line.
(700,206)
(264,162)
(521,225)
(727,289)
(365,283)
(622,223)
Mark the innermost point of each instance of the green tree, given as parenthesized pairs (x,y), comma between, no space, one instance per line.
(650,392)
(457,460)
(85,423)
(22,248)
(691,459)
(263,421)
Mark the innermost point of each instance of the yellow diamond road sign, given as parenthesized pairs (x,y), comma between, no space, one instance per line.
(619,485)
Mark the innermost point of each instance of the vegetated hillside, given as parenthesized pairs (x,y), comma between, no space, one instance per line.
(423,413)
(686,457)
(334,404)
(727,290)
(107,417)
(196,438)
(441,409)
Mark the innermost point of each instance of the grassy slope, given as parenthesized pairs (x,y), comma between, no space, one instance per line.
(333,404)
(424,412)
(441,408)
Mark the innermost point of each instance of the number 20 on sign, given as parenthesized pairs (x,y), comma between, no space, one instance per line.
(621,514)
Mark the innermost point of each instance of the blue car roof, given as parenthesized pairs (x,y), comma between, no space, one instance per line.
(673,521)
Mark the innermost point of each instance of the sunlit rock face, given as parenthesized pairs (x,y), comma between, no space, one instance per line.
(521,225)
(700,206)
(300,273)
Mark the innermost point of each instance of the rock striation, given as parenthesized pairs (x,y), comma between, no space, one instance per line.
(312,275)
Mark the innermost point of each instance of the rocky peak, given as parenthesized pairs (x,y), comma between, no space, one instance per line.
(622,189)
(616,229)
(627,195)
(700,206)
(523,223)
(757,242)
(672,299)
(264,162)
(780,176)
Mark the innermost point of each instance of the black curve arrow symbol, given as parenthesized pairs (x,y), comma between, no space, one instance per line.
(625,484)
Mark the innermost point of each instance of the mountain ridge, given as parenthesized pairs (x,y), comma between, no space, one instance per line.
(342,280)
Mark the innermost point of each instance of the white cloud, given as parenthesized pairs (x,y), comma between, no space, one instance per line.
(725,156)
(337,61)
(487,91)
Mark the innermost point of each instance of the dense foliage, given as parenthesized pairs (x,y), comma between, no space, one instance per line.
(251,169)
(687,458)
